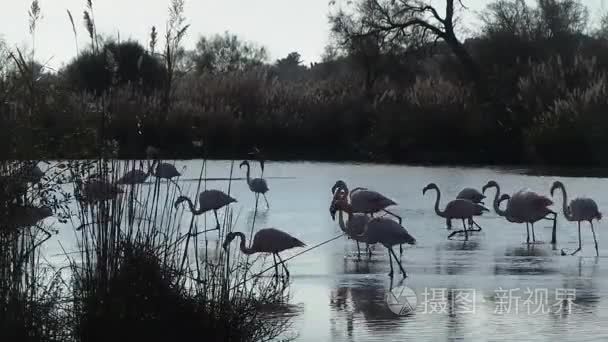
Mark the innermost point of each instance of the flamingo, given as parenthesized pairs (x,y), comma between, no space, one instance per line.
(354,227)
(256,153)
(579,209)
(257,185)
(208,200)
(163,170)
(98,190)
(524,206)
(167,171)
(267,240)
(26,216)
(138,176)
(366,201)
(31,173)
(456,209)
(19,216)
(381,230)
(472,195)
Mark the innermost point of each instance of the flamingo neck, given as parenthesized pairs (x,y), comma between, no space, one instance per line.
(341,220)
(500,211)
(437,199)
(248,174)
(244,249)
(192,208)
(496,202)
(567,212)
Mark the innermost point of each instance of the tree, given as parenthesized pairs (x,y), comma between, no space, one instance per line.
(225,53)
(398,21)
(116,64)
(563,18)
(290,67)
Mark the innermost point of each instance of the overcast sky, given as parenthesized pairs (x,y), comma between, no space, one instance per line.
(282,26)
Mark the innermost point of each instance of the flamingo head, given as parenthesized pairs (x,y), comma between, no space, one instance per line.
(556,185)
(340,185)
(243,164)
(179,200)
(429,187)
(257,154)
(340,202)
(490,184)
(229,237)
(504,197)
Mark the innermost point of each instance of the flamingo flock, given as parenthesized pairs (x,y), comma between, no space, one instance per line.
(523,206)
(363,215)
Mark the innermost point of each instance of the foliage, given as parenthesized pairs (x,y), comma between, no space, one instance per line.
(116,64)
(226,53)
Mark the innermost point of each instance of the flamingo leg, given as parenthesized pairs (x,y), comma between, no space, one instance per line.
(369,251)
(448,223)
(597,253)
(554,231)
(390,259)
(216,219)
(533,237)
(466,232)
(266,199)
(393,214)
(177,185)
(358,252)
(283,264)
(528,231)
(579,239)
(473,223)
(400,251)
(398,262)
(276,268)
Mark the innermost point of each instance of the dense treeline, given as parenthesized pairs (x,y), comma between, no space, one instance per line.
(398,83)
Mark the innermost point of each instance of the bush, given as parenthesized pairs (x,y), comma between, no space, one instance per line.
(570,131)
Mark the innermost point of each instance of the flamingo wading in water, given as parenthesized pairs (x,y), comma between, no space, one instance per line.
(354,227)
(208,200)
(256,185)
(474,196)
(524,206)
(456,209)
(137,176)
(366,201)
(579,209)
(381,230)
(267,240)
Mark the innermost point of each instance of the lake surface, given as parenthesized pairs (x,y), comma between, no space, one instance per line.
(492,287)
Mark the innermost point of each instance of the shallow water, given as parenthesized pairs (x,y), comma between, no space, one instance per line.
(336,298)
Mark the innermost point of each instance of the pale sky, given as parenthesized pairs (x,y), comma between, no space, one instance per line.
(282,26)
